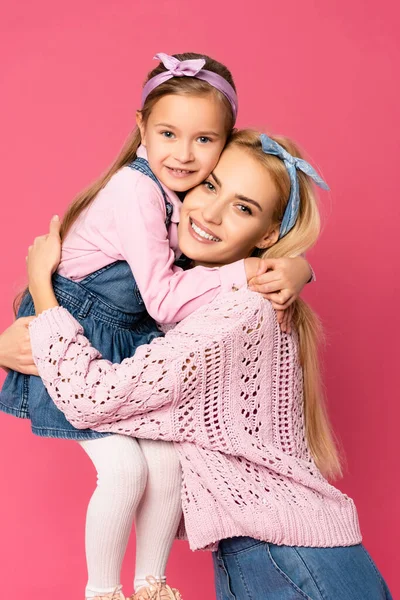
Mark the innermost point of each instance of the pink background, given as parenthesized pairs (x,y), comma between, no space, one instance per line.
(321,72)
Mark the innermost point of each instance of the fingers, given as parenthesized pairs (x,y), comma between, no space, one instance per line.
(25,320)
(31,370)
(55,225)
(284,318)
(283,298)
(267,283)
(281,318)
(267,276)
(279,306)
(266,264)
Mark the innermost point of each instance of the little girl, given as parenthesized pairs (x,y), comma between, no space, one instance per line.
(118,278)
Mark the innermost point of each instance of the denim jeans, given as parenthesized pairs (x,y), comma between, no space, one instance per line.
(248,569)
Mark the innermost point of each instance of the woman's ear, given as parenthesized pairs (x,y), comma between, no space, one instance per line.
(269,239)
(140,124)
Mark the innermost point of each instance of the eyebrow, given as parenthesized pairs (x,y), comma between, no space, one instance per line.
(238,196)
(249,200)
(165,125)
(200,133)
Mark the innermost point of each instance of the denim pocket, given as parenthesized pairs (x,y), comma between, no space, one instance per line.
(221,578)
(285,569)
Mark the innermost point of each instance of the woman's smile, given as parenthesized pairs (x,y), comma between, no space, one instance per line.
(201,233)
(230,213)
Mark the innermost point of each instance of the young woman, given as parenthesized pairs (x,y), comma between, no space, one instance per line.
(240,399)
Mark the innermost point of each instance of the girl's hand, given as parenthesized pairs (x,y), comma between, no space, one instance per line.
(281,280)
(44,255)
(42,261)
(284,318)
(252,266)
(15,348)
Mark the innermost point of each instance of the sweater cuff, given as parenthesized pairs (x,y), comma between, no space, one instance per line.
(233,276)
(52,324)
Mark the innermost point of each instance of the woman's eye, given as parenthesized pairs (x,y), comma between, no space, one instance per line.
(204,139)
(167,134)
(209,186)
(244,209)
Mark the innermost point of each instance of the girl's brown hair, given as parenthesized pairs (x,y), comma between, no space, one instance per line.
(190,86)
(303,235)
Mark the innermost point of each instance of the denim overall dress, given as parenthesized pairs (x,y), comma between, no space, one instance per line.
(108,305)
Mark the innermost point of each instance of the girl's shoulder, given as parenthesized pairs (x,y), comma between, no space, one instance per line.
(133,180)
(127,190)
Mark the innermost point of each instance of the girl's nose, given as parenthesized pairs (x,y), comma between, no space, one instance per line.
(184,152)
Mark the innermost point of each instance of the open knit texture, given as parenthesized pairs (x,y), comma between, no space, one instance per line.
(226,385)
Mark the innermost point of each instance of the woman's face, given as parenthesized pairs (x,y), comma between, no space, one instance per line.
(225,218)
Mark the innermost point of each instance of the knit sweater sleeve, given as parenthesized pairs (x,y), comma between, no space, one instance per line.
(91,391)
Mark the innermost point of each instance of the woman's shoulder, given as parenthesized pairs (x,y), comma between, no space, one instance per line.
(239,310)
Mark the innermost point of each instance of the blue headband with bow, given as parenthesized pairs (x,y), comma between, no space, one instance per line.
(292,164)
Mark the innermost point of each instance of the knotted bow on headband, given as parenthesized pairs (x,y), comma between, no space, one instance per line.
(179,68)
(190,68)
(292,164)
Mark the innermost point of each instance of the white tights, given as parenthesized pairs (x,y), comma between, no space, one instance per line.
(134,479)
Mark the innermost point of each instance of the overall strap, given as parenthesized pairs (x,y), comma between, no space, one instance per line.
(142,165)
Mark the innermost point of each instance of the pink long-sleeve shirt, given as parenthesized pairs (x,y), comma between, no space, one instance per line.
(127,222)
(226,385)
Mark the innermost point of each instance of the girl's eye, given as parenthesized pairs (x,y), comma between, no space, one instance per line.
(244,209)
(203,139)
(167,134)
(209,186)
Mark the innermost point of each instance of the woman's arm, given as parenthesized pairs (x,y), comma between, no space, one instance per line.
(175,369)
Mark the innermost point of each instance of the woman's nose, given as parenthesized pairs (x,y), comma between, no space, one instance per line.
(212,213)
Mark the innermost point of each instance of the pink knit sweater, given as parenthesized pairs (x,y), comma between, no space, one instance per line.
(226,386)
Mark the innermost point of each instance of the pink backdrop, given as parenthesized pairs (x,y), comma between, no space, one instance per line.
(322,72)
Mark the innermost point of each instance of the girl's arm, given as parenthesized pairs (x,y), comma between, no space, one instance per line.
(137,224)
(169,293)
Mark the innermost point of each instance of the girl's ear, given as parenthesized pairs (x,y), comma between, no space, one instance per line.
(269,239)
(140,124)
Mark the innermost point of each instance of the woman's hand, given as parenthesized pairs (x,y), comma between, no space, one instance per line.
(281,280)
(42,261)
(15,348)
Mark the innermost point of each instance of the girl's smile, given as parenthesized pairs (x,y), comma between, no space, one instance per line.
(184,137)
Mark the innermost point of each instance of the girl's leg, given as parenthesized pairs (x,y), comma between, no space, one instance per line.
(121,481)
(246,568)
(160,511)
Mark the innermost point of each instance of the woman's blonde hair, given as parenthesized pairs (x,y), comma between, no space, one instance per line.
(303,236)
(189,86)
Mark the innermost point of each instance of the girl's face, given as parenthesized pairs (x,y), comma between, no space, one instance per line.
(230,214)
(184,137)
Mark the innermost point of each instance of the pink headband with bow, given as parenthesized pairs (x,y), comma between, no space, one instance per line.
(190,68)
